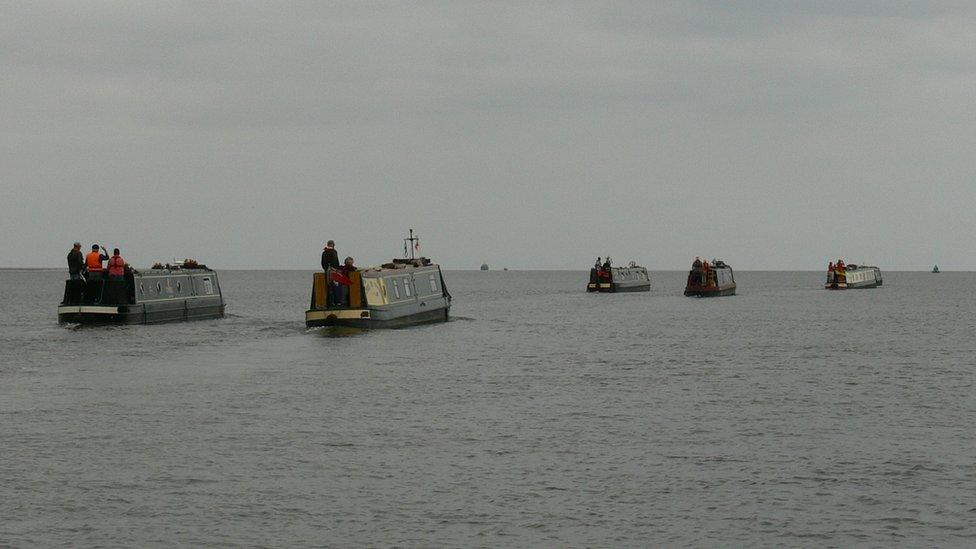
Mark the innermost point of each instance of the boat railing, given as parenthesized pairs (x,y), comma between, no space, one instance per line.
(99,291)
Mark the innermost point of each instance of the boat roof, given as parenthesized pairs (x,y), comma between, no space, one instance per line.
(400,265)
(173,270)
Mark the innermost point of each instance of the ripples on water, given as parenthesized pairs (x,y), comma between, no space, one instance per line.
(541,415)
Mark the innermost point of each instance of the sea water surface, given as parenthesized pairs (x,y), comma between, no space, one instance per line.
(539,416)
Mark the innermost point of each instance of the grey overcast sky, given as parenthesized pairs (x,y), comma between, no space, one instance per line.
(774,135)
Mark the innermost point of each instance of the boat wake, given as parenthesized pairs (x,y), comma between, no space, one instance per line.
(335,331)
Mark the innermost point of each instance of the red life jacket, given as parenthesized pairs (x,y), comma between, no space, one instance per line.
(116,266)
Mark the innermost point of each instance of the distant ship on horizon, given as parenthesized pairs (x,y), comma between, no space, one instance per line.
(935,270)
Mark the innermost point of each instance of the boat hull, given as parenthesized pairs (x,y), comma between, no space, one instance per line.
(614,287)
(367,319)
(138,314)
(851,286)
(698,291)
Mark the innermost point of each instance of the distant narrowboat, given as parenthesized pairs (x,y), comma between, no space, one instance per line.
(935,270)
(848,277)
(604,277)
(402,293)
(169,293)
(710,279)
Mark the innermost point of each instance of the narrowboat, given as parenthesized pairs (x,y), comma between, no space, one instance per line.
(607,278)
(710,279)
(404,292)
(841,276)
(186,291)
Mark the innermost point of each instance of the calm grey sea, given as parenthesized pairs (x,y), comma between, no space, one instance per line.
(539,416)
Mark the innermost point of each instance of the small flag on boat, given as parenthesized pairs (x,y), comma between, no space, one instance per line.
(341,278)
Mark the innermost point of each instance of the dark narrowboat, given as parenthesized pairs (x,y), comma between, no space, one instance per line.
(710,279)
(607,278)
(170,293)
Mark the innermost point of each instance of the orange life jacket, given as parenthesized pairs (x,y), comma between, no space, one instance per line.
(94,261)
(116,266)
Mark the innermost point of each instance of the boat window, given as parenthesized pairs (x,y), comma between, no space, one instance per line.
(207,285)
(406,286)
(396,289)
(433,283)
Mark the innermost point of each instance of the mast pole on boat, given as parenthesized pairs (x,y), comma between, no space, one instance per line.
(410,244)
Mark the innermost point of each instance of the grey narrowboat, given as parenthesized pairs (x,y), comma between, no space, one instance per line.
(849,277)
(167,294)
(404,292)
(607,278)
(710,279)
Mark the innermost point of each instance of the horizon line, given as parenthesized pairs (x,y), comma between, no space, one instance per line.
(526,270)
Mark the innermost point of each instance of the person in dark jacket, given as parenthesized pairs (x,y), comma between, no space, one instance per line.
(76,262)
(330,260)
(330,257)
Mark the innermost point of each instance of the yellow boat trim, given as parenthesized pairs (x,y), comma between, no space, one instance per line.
(337,314)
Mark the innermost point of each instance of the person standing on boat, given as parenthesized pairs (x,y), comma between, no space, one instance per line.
(76,262)
(94,262)
(330,258)
(330,261)
(348,266)
(344,281)
(116,266)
